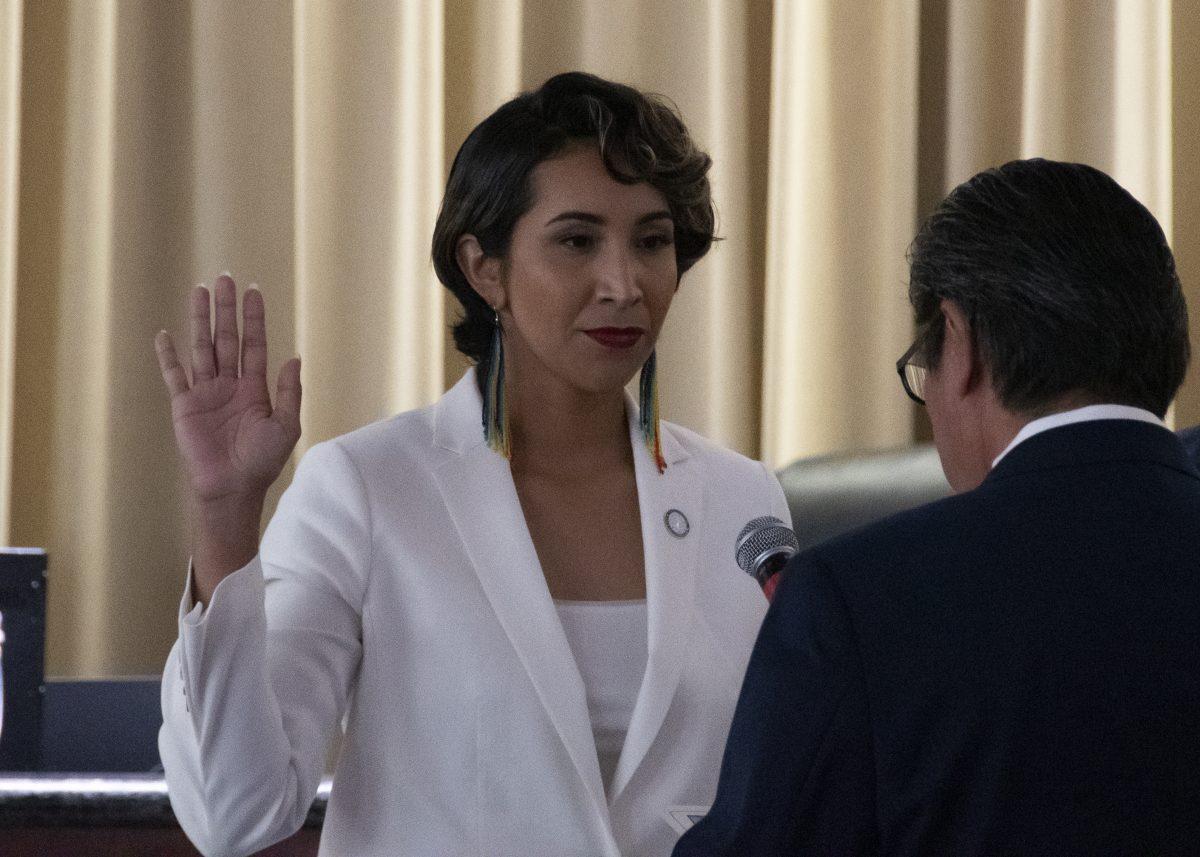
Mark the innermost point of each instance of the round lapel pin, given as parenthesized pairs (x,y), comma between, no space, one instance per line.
(677,523)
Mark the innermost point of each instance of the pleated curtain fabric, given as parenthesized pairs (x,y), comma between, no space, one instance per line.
(10,141)
(303,146)
(841,209)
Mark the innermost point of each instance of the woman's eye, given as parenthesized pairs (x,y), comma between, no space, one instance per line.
(577,242)
(657,242)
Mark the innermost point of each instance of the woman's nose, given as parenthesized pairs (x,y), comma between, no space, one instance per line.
(617,279)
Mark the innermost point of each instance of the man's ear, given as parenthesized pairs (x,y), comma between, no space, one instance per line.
(959,364)
(483,272)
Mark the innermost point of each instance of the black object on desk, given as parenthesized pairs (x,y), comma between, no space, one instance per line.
(23,603)
(108,725)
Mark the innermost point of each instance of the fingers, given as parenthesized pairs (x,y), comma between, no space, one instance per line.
(254,334)
(168,362)
(287,396)
(225,331)
(203,366)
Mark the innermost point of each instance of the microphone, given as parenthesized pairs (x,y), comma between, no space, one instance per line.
(763,548)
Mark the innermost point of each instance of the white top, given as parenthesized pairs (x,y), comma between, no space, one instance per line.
(610,641)
(1078,415)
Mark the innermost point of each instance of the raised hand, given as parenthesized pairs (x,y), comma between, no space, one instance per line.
(233,442)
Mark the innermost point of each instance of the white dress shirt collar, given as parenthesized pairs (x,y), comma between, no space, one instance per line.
(1078,415)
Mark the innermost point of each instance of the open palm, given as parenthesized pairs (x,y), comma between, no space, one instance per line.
(233,442)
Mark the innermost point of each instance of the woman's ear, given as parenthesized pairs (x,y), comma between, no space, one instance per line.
(483,272)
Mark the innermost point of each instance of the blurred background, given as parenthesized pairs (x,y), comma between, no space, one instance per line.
(148,145)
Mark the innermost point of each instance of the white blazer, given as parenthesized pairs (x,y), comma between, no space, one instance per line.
(397,592)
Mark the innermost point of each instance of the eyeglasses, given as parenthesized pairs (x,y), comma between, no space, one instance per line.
(912,375)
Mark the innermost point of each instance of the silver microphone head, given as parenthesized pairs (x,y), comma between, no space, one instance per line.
(764,546)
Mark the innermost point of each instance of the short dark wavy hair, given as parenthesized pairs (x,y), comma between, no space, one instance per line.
(641,138)
(1067,281)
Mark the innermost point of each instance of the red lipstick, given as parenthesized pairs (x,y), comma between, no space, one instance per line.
(616,338)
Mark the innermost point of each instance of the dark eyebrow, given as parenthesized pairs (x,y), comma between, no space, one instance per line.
(655,215)
(588,217)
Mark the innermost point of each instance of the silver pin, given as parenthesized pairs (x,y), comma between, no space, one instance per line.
(677,523)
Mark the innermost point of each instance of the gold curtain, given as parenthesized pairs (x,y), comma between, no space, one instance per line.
(842,208)
(302,145)
(10,140)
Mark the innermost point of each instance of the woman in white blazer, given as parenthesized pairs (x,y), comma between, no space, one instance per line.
(520,603)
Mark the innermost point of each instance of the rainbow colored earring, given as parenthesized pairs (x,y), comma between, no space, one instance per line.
(495,414)
(648,410)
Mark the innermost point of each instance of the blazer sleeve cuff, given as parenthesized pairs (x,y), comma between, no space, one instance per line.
(244,587)
(231,626)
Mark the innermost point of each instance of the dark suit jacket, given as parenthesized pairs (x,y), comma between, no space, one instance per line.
(1191,442)
(1014,670)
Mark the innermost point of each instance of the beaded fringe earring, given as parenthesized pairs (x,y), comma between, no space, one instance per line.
(648,410)
(495,414)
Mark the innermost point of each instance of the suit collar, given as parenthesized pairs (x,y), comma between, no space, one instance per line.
(477,487)
(458,416)
(1106,441)
(1086,413)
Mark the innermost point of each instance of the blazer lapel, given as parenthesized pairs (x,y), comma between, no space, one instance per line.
(481,498)
(670,561)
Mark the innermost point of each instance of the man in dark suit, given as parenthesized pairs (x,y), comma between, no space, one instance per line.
(1014,669)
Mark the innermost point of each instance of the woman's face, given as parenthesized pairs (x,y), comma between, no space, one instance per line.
(589,276)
